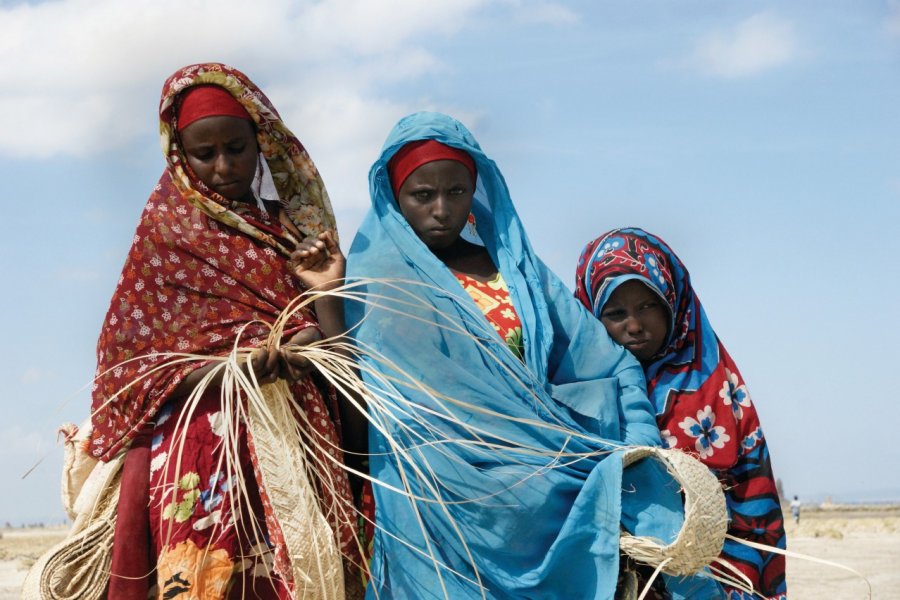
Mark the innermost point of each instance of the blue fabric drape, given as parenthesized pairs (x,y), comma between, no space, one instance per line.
(516,451)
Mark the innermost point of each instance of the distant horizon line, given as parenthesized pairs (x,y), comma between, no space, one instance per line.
(876,499)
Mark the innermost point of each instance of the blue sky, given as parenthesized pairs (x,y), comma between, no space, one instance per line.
(758,138)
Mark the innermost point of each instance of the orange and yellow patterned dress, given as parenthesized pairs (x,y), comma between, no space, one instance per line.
(492,298)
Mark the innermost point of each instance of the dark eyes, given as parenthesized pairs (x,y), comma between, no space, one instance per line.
(619,314)
(206,154)
(613,315)
(427,194)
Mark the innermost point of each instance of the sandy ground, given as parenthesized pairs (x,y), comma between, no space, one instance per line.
(19,548)
(866,539)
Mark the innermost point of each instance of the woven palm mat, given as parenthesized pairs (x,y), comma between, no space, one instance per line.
(316,564)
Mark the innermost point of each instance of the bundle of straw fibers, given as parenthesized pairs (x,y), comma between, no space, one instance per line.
(285,473)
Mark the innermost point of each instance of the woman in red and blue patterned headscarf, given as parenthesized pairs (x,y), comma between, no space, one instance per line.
(701,400)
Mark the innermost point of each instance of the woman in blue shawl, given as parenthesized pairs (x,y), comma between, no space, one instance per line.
(496,463)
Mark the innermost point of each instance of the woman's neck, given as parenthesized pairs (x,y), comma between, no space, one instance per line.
(468,259)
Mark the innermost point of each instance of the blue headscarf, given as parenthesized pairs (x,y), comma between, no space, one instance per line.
(521,454)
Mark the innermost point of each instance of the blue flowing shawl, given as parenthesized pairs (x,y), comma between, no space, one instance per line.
(495,477)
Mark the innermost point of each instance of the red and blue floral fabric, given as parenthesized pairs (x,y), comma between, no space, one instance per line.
(701,400)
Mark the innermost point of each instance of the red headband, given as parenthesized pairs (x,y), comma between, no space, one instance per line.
(201,101)
(415,154)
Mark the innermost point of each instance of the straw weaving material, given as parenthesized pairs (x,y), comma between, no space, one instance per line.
(705,517)
(78,567)
(316,563)
(77,465)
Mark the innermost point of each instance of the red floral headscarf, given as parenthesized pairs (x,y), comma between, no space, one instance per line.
(200,267)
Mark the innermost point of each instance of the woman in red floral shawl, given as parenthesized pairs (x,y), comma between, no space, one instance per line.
(235,229)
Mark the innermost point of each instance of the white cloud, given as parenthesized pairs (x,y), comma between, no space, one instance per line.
(87,73)
(759,43)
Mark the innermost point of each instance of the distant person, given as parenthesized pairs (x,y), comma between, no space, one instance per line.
(795,509)
(640,290)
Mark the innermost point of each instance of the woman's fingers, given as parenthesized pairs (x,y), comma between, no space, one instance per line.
(270,363)
(308,258)
(294,360)
(327,238)
(265,365)
(272,375)
(294,373)
(271,359)
(305,336)
(310,247)
(258,359)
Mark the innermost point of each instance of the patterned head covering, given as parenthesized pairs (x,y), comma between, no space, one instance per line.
(701,401)
(200,267)
(620,256)
(300,188)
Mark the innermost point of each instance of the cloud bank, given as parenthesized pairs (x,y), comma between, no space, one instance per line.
(87,73)
(757,44)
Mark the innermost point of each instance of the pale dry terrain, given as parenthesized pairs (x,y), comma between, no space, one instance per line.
(19,548)
(866,539)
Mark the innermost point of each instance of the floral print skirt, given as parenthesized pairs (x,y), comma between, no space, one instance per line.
(207,531)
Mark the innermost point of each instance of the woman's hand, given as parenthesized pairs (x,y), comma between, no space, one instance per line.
(295,365)
(265,363)
(318,263)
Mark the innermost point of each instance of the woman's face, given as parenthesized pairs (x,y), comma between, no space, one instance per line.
(435,200)
(636,317)
(222,152)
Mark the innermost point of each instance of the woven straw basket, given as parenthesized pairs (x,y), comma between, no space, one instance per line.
(705,517)
(77,568)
